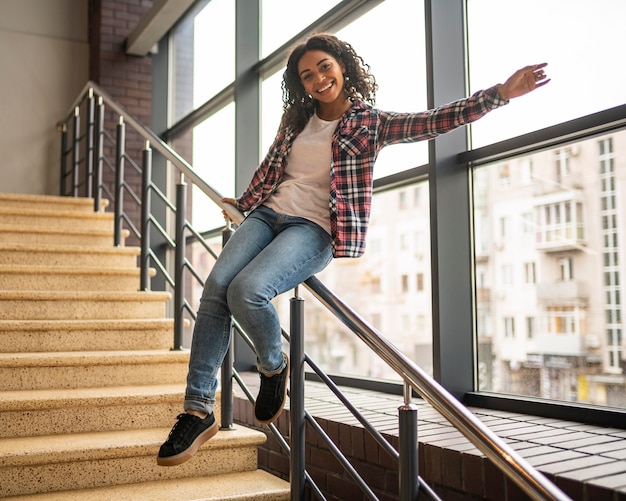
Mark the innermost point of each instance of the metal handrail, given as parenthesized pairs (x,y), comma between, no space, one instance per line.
(514,466)
(521,472)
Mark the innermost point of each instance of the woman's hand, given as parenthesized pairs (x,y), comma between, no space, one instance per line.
(229,201)
(523,81)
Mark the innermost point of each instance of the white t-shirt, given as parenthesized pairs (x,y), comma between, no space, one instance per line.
(304,188)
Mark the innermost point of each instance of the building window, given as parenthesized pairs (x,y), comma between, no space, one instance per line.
(530,327)
(509,327)
(420,282)
(566,269)
(405,283)
(504,175)
(529,273)
(562,158)
(507,275)
(402,203)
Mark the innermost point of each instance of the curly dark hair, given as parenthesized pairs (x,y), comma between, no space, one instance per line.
(359,83)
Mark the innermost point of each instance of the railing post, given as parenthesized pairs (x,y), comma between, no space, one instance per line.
(146,210)
(296,397)
(226,401)
(408,448)
(63,130)
(120,151)
(98,156)
(76,152)
(89,139)
(179,263)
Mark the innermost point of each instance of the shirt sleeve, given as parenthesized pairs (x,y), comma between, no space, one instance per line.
(265,177)
(412,127)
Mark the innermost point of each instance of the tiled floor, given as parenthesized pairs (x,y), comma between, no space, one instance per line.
(588,459)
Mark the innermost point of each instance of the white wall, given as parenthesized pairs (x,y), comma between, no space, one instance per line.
(44,63)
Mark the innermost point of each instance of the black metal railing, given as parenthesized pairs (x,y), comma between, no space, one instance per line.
(82,176)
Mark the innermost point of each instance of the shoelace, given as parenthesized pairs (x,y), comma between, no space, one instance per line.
(268,387)
(182,425)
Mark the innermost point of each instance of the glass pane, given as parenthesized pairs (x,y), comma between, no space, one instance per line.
(214,161)
(390,287)
(201,42)
(281,20)
(214,50)
(557,336)
(580,41)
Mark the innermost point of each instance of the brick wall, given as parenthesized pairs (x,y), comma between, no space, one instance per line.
(453,475)
(128,79)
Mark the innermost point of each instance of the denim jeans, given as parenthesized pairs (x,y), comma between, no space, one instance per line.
(269,254)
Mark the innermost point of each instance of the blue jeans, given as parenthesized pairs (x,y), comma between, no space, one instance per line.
(269,254)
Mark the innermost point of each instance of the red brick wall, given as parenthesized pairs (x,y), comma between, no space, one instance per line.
(128,79)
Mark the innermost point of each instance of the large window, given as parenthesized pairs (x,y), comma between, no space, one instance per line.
(537,276)
(572,348)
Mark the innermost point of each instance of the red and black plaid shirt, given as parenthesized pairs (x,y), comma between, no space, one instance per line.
(361,133)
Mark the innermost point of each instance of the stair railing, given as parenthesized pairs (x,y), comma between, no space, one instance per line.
(86,174)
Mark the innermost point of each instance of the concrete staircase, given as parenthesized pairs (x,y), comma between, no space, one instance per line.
(89,388)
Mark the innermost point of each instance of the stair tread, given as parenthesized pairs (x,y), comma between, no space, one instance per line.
(13,228)
(256,485)
(109,444)
(25,400)
(85,295)
(96,325)
(64,270)
(81,358)
(46,199)
(46,212)
(83,249)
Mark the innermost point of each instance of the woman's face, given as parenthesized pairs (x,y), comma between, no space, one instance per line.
(322,76)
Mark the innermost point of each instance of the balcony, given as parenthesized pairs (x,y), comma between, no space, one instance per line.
(564,344)
(566,292)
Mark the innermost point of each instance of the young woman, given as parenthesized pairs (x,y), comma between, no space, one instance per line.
(309,201)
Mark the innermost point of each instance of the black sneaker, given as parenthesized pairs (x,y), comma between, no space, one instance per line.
(272,396)
(186,437)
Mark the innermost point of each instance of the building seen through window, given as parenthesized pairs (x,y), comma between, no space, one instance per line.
(564,281)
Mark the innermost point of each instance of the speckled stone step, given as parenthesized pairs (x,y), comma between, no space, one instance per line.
(49,202)
(244,486)
(66,278)
(69,255)
(23,336)
(61,219)
(69,370)
(28,235)
(89,460)
(83,410)
(41,305)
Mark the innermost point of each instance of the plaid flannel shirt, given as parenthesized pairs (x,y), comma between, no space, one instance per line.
(361,133)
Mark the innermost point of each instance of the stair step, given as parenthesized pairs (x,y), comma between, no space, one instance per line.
(29,235)
(29,201)
(255,485)
(68,370)
(19,277)
(57,218)
(63,255)
(89,460)
(85,335)
(84,410)
(41,305)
